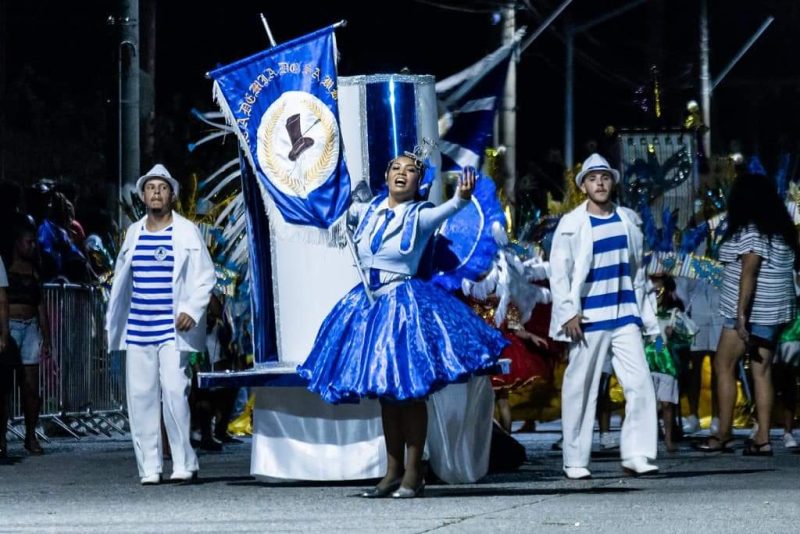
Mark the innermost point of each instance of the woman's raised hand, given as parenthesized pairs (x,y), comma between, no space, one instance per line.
(466,182)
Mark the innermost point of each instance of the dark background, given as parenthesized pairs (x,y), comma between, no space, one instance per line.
(58,76)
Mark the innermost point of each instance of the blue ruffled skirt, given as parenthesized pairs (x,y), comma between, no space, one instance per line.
(412,341)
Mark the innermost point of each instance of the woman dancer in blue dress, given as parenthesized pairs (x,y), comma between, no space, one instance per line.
(414,339)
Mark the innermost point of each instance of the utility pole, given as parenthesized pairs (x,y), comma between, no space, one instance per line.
(569,96)
(705,77)
(147,82)
(128,50)
(508,111)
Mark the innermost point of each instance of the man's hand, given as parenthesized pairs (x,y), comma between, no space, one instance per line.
(573,328)
(466,183)
(184,323)
(3,342)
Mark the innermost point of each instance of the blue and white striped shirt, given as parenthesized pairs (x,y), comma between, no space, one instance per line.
(152,320)
(607,297)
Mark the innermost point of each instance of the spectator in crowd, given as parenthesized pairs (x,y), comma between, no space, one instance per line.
(787,364)
(759,253)
(212,408)
(787,368)
(663,354)
(702,299)
(61,243)
(28,323)
(156,311)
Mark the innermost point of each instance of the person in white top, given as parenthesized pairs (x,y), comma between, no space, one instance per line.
(163,279)
(600,304)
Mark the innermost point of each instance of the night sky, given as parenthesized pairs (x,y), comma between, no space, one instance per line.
(60,69)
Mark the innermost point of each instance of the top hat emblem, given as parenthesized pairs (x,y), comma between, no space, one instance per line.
(299,143)
(298,146)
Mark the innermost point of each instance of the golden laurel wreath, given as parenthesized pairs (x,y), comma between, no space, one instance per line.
(311,175)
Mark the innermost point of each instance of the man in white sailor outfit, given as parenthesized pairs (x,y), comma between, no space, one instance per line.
(163,279)
(600,304)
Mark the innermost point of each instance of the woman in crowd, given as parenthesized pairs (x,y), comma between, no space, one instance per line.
(414,338)
(759,252)
(28,323)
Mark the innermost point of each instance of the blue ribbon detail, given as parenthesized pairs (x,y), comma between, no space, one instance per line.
(362,225)
(426,181)
(377,239)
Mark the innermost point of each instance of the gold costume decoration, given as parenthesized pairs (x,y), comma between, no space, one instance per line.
(693,121)
(243,425)
(572,196)
(656,92)
(493,166)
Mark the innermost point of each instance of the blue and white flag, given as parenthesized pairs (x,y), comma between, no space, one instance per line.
(282,103)
(470,99)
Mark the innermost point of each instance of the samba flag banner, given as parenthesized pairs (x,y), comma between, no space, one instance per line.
(282,103)
(472,128)
(471,98)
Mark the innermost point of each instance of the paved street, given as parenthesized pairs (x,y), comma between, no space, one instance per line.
(92,486)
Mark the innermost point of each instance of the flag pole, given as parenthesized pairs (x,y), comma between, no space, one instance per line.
(351,246)
(266,29)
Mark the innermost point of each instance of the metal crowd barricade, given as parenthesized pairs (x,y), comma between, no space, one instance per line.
(82,386)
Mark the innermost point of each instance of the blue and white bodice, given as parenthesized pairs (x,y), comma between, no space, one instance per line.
(395,247)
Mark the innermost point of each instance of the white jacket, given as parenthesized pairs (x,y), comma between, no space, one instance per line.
(570,262)
(193,278)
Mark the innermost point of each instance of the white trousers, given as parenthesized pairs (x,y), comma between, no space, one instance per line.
(580,387)
(158,378)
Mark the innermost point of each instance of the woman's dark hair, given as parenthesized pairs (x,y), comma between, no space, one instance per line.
(19,224)
(418,163)
(754,200)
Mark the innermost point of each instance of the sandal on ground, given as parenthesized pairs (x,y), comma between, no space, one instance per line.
(33,447)
(754,449)
(714,444)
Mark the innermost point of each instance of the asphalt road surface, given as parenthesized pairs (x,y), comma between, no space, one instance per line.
(91,485)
